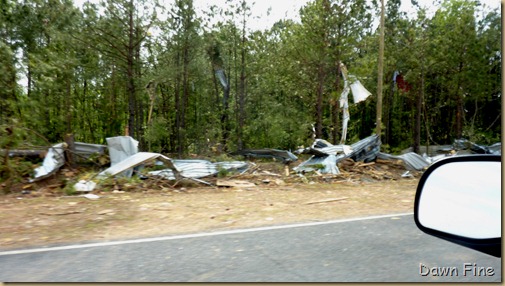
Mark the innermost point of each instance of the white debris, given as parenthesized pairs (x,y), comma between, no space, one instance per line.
(54,159)
(91,196)
(407,175)
(84,186)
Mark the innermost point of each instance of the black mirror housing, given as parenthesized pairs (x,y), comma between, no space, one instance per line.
(459,199)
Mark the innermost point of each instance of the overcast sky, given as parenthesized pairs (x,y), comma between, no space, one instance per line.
(280,9)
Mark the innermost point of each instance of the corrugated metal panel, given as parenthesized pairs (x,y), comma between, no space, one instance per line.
(321,147)
(232,165)
(366,149)
(121,148)
(54,159)
(495,148)
(133,161)
(86,149)
(412,160)
(433,159)
(283,155)
(195,168)
(337,149)
(165,173)
(199,168)
(329,162)
(464,144)
(329,155)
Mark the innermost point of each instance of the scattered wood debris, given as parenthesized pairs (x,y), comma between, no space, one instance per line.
(106,212)
(62,213)
(326,201)
(235,183)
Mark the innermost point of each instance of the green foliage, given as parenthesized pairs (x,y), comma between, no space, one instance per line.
(222,173)
(16,170)
(96,70)
(69,189)
(317,166)
(12,170)
(156,133)
(223,157)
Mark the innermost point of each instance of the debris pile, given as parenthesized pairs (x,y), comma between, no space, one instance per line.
(195,169)
(326,156)
(55,157)
(379,169)
(282,155)
(360,161)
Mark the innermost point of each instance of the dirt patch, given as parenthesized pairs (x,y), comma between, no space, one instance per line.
(35,220)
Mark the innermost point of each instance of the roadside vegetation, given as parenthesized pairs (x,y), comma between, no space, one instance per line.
(193,84)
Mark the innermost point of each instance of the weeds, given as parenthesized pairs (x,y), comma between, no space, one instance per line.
(223,173)
(69,189)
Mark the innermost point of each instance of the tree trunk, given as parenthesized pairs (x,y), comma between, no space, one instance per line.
(70,150)
(459,106)
(30,81)
(139,104)
(319,102)
(132,130)
(177,131)
(388,107)
(417,127)
(86,113)
(224,117)
(242,87)
(336,106)
(380,72)
(68,106)
(185,98)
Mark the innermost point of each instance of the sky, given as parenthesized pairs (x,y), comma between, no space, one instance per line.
(280,9)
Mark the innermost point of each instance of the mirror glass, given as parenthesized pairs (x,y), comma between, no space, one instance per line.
(463,198)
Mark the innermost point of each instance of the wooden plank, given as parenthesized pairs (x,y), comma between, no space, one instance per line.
(235,183)
(326,201)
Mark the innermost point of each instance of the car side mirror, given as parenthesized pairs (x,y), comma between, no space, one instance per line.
(459,199)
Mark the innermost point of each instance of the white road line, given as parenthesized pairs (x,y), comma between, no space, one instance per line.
(196,235)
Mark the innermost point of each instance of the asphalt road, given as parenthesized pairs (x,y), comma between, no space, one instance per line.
(380,249)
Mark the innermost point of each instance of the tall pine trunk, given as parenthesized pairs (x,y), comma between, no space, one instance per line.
(335,107)
(132,130)
(319,102)
(242,93)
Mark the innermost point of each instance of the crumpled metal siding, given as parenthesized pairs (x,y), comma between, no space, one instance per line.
(55,158)
(412,160)
(134,161)
(495,148)
(366,149)
(232,165)
(194,168)
(53,161)
(321,147)
(86,149)
(165,173)
(464,144)
(329,162)
(283,155)
(363,150)
(121,148)
(199,168)
(433,159)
